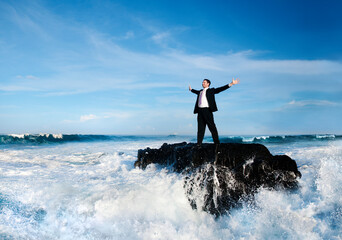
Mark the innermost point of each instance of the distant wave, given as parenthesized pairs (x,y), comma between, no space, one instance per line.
(37,139)
(281,138)
(30,139)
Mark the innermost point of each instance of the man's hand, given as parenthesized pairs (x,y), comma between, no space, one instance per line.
(190,87)
(234,81)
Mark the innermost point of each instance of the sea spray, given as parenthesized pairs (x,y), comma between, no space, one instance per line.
(91,190)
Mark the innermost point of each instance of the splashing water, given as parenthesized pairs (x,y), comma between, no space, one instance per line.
(91,190)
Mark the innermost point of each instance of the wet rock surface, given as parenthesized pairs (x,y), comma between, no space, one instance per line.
(217,178)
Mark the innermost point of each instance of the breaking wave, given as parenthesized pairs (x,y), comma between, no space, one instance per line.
(29,139)
(281,138)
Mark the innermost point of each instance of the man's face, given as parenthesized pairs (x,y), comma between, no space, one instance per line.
(205,84)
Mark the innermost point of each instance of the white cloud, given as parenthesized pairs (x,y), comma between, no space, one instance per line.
(29,18)
(17,87)
(27,77)
(294,67)
(305,103)
(159,38)
(294,104)
(85,118)
(110,66)
(129,35)
(99,62)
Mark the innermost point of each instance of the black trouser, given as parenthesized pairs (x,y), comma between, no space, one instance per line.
(205,117)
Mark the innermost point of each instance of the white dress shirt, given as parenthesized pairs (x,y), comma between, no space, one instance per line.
(202,99)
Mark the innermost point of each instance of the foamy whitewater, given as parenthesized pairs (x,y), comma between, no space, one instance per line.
(86,187)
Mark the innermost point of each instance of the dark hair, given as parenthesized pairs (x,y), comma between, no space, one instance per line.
(208,81)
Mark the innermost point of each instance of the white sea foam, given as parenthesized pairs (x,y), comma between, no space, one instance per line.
(256,138)
(326,136)
(40,134)
(18,135)
(92,191)
(248,139)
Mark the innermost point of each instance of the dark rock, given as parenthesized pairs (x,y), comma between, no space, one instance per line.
(219,177)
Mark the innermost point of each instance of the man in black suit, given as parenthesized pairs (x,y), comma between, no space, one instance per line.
(205,106)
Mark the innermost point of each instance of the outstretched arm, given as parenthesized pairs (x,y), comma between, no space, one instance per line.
(225,87)
(193,90)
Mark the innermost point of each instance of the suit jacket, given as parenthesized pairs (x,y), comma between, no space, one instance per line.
(210,94)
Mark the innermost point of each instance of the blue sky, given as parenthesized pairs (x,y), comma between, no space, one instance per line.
(123,67)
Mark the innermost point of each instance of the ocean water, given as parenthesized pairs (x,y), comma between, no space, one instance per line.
(86,187)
